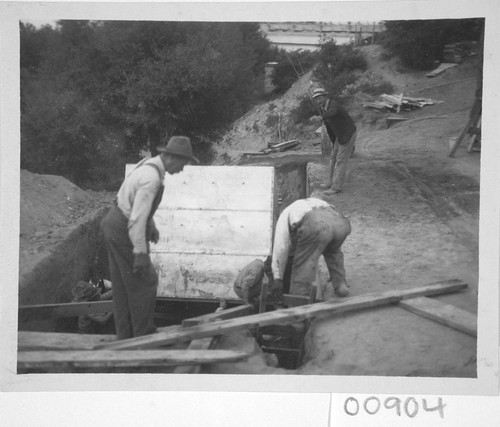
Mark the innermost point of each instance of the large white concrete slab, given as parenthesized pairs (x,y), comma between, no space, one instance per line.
(213,220)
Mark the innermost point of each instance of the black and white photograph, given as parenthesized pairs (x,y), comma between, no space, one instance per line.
(286,200)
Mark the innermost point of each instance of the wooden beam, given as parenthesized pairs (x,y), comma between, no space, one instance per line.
(124,358)
(230,313)
(201,344)
(54,311)
(210,342)
(287,315)
(295,300)
(445,314)
(30,341)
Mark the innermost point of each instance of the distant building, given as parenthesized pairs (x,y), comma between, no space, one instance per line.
(310,35)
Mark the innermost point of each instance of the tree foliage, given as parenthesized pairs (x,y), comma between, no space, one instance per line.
(336,66)
(420,43)
(151,79)
(290,65)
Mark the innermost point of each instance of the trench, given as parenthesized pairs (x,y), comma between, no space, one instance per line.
(82,255)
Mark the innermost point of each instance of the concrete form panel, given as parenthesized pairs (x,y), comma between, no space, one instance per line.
(213,220)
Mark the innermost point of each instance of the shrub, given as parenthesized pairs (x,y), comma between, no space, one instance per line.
(337,66)
(420,43)
(370,84)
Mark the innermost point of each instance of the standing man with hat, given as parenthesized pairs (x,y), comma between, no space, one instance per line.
(342,132)
(129,227)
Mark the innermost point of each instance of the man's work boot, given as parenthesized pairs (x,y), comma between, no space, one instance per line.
(342,290)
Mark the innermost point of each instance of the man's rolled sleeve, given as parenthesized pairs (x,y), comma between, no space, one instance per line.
(141,208)
(281,247)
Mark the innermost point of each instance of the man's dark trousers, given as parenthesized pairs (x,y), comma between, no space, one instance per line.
(134,296)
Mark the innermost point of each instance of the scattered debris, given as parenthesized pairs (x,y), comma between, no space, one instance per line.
(396,103)
(274,148)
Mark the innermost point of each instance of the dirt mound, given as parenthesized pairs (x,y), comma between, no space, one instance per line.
(49,201)
(259,127)
(50,207)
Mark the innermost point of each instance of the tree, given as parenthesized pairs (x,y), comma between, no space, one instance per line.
(420,43)
(153,79)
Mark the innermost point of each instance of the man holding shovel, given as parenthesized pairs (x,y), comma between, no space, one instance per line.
(342,132)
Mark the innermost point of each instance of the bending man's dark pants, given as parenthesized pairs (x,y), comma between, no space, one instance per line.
(321,232)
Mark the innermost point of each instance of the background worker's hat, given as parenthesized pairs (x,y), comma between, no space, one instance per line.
(179,146)
(319,92)
(85,291)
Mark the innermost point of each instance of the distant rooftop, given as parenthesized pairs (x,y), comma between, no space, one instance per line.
(310,35)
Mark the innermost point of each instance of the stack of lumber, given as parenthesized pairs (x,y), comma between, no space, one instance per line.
(289,315)
(455,52)
(396,103)
(47,352)
(63,352)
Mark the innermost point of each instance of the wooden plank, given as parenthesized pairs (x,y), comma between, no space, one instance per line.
(54,311)
(27,340)
(210,342)
(31,341)
(445,314)
(473,119)
(124,358)
(295,314)
(230,313)
(199,275)
(295,300)
(441,69)
(214,232)
(201,344)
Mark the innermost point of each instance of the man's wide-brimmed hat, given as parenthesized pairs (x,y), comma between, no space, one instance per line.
(85,291)
(319,92)
(179,146)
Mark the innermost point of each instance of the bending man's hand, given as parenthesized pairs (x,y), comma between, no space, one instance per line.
(277,290)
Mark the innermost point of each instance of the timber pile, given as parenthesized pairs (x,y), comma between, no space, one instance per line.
(289,315)
(44,351)
(397,103)
(456,52)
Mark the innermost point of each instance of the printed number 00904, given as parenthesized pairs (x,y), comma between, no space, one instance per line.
(409,407)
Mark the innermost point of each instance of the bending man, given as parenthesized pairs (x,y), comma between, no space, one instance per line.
(129,227)
(305,230)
